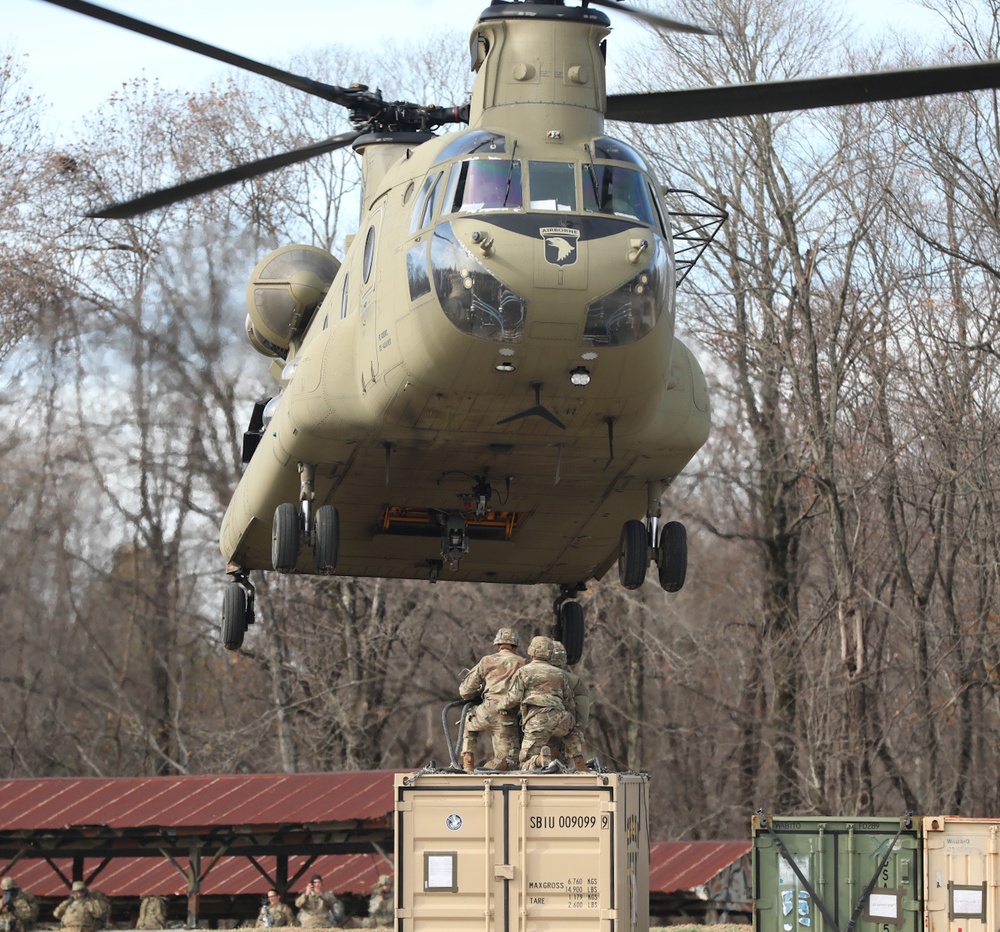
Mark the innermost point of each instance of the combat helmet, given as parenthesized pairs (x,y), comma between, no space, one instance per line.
(540,648)
(78,887)
(8,883)
(558,654)
(507,636)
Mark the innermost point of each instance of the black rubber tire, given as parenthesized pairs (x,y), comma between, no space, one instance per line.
(633,554)
(285,538)
(327,545)
(234,616)
(571,623)
(672,556)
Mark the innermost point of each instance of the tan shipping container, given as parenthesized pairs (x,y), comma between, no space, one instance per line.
(522,852)
(961,874)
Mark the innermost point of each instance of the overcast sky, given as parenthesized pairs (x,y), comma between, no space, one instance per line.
(75,63)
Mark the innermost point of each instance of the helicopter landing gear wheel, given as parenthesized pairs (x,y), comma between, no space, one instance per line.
(672,556)
(326,545)
(235,616)
(570,630)
(633,554)
(285,538)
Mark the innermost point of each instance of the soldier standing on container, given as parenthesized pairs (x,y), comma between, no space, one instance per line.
(381,909)
(315,906)
(24,904)
(573,744)
(491,678)
(79,913)
(546,701)
(152,913)
(275,913)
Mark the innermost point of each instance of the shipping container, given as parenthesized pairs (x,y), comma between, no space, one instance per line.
(961,874)
(538,852)
(832,874)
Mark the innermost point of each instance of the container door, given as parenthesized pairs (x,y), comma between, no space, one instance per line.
(509,857)
(834,861)
(564,838)
(962,875)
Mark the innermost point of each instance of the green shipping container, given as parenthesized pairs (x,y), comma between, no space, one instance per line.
(835,874)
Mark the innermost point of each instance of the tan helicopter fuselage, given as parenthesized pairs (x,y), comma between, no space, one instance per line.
(494,269)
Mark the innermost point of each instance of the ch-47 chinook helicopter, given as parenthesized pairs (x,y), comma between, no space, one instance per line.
(488,387)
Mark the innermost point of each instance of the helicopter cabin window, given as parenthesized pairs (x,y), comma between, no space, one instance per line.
(620,191)
(343,298)
(368,261)
(661,215)
(552,185)
(423,209)
(416,271)
(488,184)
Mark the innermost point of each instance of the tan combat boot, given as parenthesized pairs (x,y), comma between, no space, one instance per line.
(468,761)
(544,757)
(580,764)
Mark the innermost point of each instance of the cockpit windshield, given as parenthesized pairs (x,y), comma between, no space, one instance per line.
(610,189)
(488,184)
(484,184)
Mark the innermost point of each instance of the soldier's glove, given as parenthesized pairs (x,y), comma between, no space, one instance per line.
(475,700)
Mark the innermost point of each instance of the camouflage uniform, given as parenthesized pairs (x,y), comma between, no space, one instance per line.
(546,701)
(381,907)
(278,914)
(25,905)
(314,910)
(491,678)
(102,918)
(152,913)
(573,744)
(78,913)
(9,919)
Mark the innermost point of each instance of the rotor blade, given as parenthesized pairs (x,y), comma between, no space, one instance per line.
(709,103)
(654,19)
(180,192)
(337,95)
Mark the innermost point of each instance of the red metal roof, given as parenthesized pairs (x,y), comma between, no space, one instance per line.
(194,802)
(231,876)
(684,865)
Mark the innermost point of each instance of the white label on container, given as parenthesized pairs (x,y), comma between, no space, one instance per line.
(883,906)
(439,871)
(967,902)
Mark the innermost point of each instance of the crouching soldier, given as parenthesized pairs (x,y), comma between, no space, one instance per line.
(573,745)
(546,703)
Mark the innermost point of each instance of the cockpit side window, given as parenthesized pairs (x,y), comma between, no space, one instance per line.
(620,191)
(423,208)
(552,185)
(488,184)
